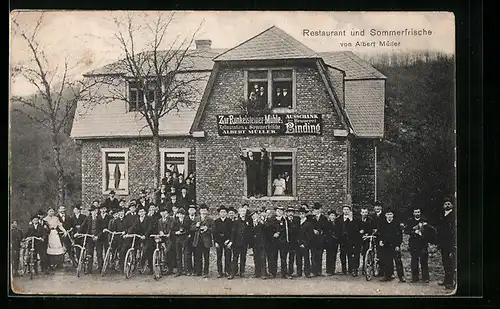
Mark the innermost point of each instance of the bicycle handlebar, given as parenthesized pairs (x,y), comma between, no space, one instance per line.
(158,235)
(83,235)
(33,237)
(132,235)
(114,233)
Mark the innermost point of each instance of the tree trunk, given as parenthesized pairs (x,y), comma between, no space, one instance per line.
(157,178)
(61,191)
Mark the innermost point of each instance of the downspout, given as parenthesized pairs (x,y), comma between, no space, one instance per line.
(375,182)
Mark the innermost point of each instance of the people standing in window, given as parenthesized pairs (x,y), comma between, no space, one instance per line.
(263,164)
(279,185)
(288,183)
(286,99)
(279,97)
(252,167)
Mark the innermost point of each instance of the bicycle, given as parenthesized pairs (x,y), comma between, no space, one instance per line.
(71,250)
(157,257)
(83,260)
(372,264)
(109,253)
(29,266)
(131,256)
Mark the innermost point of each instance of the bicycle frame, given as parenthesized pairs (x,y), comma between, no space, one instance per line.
(131,250)
(108,252)
(157,271)
(31,239)
(83,251)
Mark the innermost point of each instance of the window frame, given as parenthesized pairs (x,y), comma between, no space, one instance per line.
(104,152)
(270,87)
(185,151)
(269,197)
(145,94)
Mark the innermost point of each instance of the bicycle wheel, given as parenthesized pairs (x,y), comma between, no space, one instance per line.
(369,265)
(80,263)
(86,265)
(376,264)
(31,265)
(107,261)
(128,264)
(156,264)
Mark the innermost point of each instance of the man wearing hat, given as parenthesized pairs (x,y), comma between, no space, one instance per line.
(183,198)
(165,224)
(222,236)
(90,226)
(331,243)
(292,250)
(258,241)
(111,201)
(162,197)
(319,223)
(117,225)
(130,215)
(202,241)
(172,201)
(263,166)
(447,243)
(304,236)
(180,229)
(279,229)
(342,227)
(231,213)
(417,228)
(102,239)
(143,201)
(36,229)
(390,241)
(191,216)
(143,226)
(239,244)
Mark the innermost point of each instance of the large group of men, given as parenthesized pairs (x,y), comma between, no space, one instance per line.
(299,236)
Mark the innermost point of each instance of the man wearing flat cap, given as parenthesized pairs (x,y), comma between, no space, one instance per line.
(331,242)
(90,226)
(202,241)
(390,241)
(279,229)
(343,226)
(304,236)
(319,223)
(180,229)
(222,236)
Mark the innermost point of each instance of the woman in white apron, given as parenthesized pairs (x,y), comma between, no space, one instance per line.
(55,249)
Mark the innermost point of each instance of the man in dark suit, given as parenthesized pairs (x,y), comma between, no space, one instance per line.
(304,235)
(91,226)
(143,226)
(252,171)
(181,229)
(167,181)
(16,236)
(173,201)
(190,190)
(165,224)
(111,201)
(319,223)
(239,243)
(183,199)
(202,241)
(102,238)
(417,228)
(390,247)
(331,243)
(366,228)
(77,218)
(358,228)
(143,201)
(281,235)
(117,225)
(36,229)
(292,249)
(342,226)
(67,224)
(162,197)
(447,243)
(286,100)
(222,236)
(258,240)
(189,246)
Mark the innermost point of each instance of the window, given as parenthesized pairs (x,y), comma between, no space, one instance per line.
(270,174)
(115,170)
(175,160)
(274,88)
(137,97)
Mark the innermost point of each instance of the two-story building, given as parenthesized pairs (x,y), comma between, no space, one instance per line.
(320,133)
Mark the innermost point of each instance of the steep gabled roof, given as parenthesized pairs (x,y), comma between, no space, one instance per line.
(271,44)
(352,65)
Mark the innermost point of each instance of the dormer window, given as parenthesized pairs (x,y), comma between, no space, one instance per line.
(274,88)
(138,96)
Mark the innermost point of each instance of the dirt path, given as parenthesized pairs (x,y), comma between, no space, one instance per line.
(65,283)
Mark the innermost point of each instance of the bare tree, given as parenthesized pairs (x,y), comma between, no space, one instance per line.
(56,95)
(162,71)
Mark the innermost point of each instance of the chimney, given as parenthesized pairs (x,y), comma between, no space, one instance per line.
(203,44)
